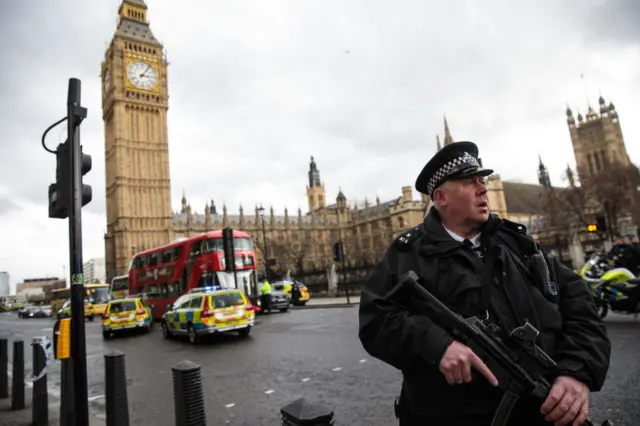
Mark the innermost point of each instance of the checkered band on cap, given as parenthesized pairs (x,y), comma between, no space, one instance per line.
(450,167)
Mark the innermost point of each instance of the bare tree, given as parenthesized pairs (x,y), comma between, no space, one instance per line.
(612,192)
(275,250)
(299,252)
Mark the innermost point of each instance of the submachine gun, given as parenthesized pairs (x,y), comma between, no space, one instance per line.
(520,370)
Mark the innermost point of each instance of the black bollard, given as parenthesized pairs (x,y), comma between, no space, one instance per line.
(17,385)
(4,367)
(40,400)
(188,396)
(66,393)
(115,389)
(303,413)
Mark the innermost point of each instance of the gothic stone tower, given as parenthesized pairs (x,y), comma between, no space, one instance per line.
(315,190)
(597,140)
(135,105)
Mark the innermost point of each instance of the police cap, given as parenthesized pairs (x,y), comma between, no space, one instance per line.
(456,160)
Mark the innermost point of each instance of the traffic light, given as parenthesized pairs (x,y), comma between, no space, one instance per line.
(229,252)
(59,193)
(592,227)
(59,196)
(601,224)
(338,252)
(85,167)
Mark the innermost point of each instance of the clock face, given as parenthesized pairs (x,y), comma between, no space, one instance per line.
(105,84)
(142,75)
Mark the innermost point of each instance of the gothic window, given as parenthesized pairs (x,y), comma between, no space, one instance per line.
(401,222)
(136,117)
(148,133)
(597,158)
(604,157)
(590,161)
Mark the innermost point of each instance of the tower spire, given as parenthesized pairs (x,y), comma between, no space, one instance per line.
(543,174)
(438,142)
(133,10)
(447,133)
(314,174)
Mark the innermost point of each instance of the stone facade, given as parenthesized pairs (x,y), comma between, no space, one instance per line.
(135,103)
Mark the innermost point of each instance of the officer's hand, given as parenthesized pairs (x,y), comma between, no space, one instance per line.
(457,362)
(567,402)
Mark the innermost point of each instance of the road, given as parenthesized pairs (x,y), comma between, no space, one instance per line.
(312,353)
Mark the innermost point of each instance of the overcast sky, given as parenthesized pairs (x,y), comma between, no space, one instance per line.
(258,87)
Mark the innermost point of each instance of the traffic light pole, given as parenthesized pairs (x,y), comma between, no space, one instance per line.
(75,115)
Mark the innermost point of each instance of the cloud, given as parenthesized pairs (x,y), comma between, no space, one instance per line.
(256,88)
(7,206)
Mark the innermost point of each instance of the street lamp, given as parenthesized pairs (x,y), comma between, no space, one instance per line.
(264,242)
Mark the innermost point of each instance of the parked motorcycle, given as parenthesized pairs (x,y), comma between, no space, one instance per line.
(612,287)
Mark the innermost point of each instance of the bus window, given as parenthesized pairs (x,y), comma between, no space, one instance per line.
(242,244)
(167,255)
(213,244)
(195,249)
(176,253)
(99,295)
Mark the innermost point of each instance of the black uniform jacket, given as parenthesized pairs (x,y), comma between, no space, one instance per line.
(399,334)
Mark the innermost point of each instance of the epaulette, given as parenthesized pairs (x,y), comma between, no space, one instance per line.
(404,241)
(517,227)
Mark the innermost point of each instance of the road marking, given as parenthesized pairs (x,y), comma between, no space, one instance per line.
(268,392)
(306,379)
(337,369)
(363,360)
(47,329)
(230,405)
(93,398)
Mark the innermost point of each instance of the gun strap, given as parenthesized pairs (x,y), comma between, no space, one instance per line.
(487,276)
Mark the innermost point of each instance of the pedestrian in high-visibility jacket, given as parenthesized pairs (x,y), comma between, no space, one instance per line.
(266,296)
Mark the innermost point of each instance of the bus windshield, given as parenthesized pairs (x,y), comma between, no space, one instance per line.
(99,295)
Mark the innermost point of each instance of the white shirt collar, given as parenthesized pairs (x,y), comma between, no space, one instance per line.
(475,240)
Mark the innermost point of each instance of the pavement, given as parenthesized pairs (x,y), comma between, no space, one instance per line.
(311,353)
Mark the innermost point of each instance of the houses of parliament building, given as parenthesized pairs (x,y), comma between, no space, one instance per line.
(138,186)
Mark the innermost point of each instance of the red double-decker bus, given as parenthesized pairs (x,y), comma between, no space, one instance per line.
(164,273)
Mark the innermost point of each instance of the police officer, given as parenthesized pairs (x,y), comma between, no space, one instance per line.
(478,265)
(266,296)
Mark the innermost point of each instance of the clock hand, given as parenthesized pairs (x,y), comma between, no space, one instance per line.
(145,71)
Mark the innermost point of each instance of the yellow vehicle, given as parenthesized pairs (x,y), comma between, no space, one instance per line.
(127,314)
(120,287)
(206,311)
(65,310)
(58,297)
(97,296)
(287,285)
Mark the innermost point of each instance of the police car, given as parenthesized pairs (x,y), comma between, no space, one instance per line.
(208,310)
(129,313)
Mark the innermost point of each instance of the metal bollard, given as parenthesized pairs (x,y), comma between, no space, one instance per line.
(17,385)
(188,396)
(4,367)
(303,413)
(115,389)
(66,392)
(40,399)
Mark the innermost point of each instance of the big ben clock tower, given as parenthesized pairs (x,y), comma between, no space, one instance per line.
(135,105)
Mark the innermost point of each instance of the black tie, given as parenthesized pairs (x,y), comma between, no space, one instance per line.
(477,250)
